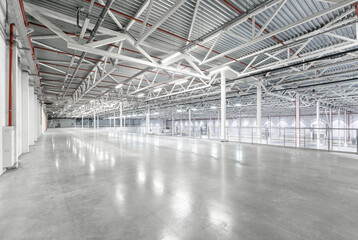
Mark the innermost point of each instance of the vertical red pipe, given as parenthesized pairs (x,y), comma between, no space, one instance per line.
(12,25)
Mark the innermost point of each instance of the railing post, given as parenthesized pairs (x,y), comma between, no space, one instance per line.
(284,137)
(267,136)
(304,138)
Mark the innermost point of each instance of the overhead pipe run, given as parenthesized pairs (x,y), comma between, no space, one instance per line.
(331,56)
(90,39)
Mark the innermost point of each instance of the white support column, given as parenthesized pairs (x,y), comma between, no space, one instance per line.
(339,126)
(16,100)
(36,117)
(190,123)
(31,115)
(97,121)
(270,127)
(75,122)
(318,125)
(94,120)
(82,122)
(147,122)
(121,115)
(258,113)
(223,136)
(298,120)
(25,108)
(114,119)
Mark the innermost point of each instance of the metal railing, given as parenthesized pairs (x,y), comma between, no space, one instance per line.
(329,139)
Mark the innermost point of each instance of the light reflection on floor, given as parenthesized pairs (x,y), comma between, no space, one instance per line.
(102,184)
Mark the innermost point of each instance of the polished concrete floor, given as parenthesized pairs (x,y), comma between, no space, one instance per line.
(86,184)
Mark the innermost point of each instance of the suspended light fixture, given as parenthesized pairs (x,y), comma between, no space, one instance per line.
(181,81)
(157,89)
(170,57)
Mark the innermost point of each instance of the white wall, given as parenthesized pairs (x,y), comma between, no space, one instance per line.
(25,111)
(28,115)
(31,116)
(2,76)
(61,123)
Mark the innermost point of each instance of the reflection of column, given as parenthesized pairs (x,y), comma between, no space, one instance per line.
(94,119)
(172,124)
(258,113)
(189,122)
(330,133)
(345,128)
(297,120)
(318,126)
(223,107)
(147,122)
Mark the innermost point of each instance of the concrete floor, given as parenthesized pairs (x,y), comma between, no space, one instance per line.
(91,184)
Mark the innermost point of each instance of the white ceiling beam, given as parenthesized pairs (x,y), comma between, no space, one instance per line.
(292,25)
(271,18)
(287,43)
(138,13)
(112,16)
(106,41)
(144,25)
(193,19)
(50,25)
(99,52)
(176,6)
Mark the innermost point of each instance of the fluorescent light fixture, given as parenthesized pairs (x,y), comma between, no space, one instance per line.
(179,110)
(218,70)
(213,107)
(194,109)
(155,113)
(181,81)
(170,57)
(157,89)
(238,105)
(119,85)
(140,95)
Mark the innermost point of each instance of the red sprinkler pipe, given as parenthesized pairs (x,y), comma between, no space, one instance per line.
(12,25)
